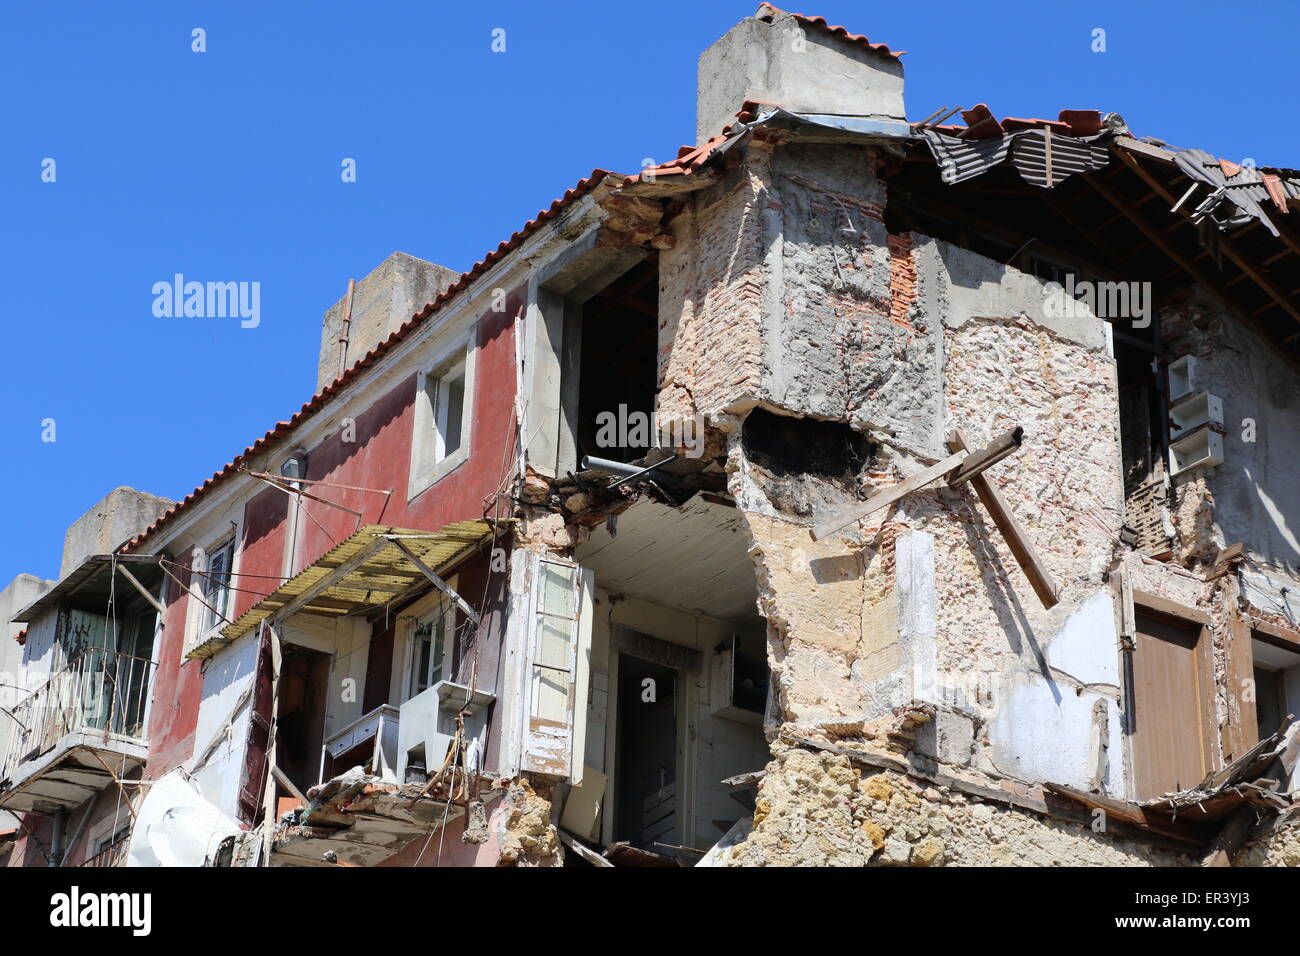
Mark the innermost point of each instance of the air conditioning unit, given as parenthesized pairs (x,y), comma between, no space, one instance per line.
(427,728)
(1194,411)
(1182,378)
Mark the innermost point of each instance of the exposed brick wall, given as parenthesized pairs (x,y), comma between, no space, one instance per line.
(711,290)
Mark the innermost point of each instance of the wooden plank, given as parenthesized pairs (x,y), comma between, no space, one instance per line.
(1239,826)
(1022,549)
(886,497)
(1162,605)
(1241,730)
(135,583)
(588,854)
(438,582)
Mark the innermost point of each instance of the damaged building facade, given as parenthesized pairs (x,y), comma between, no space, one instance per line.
(853,489)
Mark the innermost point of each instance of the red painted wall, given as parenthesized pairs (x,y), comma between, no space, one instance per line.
(380,458)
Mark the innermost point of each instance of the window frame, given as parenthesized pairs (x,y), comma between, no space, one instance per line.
(429,460)
(440,639)
(210,619)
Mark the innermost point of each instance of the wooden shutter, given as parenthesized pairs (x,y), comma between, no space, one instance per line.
(252,785)
(559,641)
(1173,706)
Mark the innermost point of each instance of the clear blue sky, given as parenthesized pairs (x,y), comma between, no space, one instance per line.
(225,165)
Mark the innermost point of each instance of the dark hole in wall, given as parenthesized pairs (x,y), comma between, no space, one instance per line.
(803,463)
(620,351)
(787,446)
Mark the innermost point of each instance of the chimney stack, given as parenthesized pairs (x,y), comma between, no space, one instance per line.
(117,517)
(378,305)
(780,58)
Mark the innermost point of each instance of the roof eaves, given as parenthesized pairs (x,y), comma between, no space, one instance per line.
(282,429)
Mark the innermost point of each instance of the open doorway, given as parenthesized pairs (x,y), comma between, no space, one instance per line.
(304,684)
(646,800)
(618,372)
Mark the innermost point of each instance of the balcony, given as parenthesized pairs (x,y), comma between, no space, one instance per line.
(74,734)
(112,855)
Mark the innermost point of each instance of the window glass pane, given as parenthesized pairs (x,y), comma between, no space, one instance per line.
(439,646)
(216,591)
(553,642)
(557,589)
(453,393)
(551,695)
(422,638)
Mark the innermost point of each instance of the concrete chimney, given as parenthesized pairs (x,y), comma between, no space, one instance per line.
(383,301)
(120,515)
(775,57)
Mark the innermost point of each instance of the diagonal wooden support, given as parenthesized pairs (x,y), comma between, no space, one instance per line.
(438,582)
(1040,579)
(144,592)
(963,464)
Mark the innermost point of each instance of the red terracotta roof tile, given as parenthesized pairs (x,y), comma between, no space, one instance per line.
(820,22)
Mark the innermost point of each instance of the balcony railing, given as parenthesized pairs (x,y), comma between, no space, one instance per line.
(99,691)
(112,855)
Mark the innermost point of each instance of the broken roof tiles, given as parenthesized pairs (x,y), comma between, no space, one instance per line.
(981,123)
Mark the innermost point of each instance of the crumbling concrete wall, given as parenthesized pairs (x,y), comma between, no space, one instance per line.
(904,338)
(772,57)
(822,809)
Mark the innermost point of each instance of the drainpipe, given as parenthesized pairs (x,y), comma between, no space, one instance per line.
(346,331)
(56,840)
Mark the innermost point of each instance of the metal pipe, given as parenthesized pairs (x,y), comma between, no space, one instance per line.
(613,467)
(56,838)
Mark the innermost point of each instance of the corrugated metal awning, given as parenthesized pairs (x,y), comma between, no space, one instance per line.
(366,570)
(90,583)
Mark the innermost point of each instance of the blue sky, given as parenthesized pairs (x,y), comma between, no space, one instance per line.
(225,165)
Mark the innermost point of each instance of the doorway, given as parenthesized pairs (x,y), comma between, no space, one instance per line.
(647,793)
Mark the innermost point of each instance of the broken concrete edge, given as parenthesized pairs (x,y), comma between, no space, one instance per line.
(329,803)
(1063,803)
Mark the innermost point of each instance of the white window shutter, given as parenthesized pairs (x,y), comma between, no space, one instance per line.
(558,641)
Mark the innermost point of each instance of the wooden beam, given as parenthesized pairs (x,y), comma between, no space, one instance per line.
(1162,605)
(1022,549)
(438,582)
(963,465)
(888,496)
(327,582)
(135,583)
(1241,261)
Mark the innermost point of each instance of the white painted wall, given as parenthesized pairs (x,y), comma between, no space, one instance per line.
(228,674)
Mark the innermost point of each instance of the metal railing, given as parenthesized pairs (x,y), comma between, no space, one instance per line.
(112,855)
(99,690)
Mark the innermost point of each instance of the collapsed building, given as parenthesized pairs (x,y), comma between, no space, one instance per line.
(852,489)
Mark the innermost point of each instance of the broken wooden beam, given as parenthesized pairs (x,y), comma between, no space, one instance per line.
(1247,817)
(963,465)
(1022,549)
